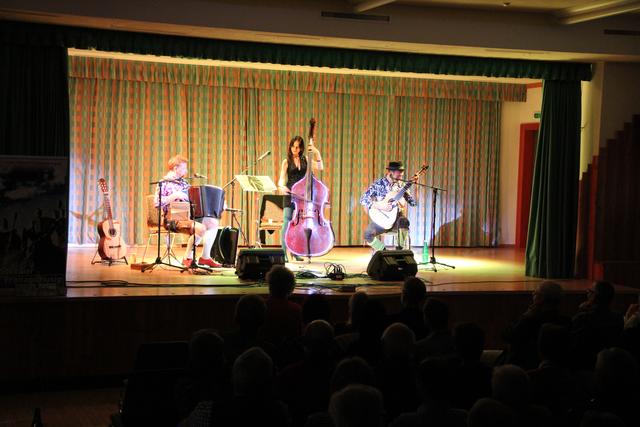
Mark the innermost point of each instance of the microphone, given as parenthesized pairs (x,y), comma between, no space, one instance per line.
(263,156)
(197,175)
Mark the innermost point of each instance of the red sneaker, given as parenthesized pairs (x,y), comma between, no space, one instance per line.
(187,262)
(209,262)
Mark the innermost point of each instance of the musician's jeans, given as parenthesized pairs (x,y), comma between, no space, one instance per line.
(373,230)
(288,214)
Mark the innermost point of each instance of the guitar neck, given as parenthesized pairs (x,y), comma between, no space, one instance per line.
(402,191)
(107,208)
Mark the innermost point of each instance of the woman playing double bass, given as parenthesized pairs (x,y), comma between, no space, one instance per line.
(292,170)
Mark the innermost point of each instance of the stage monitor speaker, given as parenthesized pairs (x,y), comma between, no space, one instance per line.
(255,263)
(392,265)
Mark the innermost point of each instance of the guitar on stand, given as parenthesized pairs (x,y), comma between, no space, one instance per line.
(386,218)
(111,246)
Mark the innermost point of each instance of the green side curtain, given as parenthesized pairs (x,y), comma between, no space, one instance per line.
(126,130)
(190,47)
(554,196)
(34,102)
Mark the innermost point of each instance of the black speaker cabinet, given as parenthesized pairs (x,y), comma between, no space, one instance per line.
(392,265)
(225,246)
(255,263)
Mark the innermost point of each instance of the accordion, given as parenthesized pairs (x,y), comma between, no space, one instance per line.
(207,200)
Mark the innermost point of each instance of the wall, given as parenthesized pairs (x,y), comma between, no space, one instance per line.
(620,97)
(489,33)
(591,116)
(513,115)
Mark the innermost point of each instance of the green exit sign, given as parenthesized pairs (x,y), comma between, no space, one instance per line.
(536,115)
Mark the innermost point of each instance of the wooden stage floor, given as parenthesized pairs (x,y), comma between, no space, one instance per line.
(476,270)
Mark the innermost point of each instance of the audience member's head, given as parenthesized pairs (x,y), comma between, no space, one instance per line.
(357,406)
(488,412)
(250,313)
(511,386)
(436,314)
(252,374)
(353,370)
(398,341)
(548,295)
(357,301)
(281,281)
(601,419)
(206,354)
(616,373)
(468,339)
(414,291)
(435,379)
(318,337)
(554,343)
(601,294)
(374,319)
(314,307)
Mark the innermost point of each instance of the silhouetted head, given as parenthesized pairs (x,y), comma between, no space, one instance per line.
(357,406)
(281,281)
(414,291)
(353,370)
(250,312)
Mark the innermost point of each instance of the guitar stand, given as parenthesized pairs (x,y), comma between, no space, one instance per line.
(432,259)
(108,261)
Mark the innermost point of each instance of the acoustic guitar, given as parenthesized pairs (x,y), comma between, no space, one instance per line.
(111,245)
(386,218)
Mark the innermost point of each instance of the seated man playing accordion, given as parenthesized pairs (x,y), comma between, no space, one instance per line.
(175,189)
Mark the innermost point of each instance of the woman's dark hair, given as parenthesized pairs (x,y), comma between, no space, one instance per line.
(303,160)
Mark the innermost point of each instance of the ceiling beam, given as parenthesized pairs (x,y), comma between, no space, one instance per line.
(366,5)
(597,10)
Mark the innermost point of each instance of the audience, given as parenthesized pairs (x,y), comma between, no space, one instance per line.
(522,335)
(316,307)
(205,379)
(377,374)
(439,342)
(473,378)
(304,386)
(367,344)
(396,372)
(249,318)
(357,406)
(283,318)
(553,384)
(595,326)
(414,293)
(511,387)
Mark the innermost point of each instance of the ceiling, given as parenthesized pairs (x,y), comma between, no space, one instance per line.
(565,11)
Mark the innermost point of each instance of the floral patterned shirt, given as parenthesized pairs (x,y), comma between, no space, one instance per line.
(173,185)
(379,189)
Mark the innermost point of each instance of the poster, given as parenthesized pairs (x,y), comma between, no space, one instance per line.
(33,225)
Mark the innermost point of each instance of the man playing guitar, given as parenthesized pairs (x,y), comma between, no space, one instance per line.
(375,198)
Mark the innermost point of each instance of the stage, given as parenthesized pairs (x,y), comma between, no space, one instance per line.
(476,270)
(95,329)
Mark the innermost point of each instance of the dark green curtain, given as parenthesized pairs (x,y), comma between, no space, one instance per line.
(191,47)
(554,196)
(34,100)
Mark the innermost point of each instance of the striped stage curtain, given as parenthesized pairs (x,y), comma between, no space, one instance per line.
(129,117)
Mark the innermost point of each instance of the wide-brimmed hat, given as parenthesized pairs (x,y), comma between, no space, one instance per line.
(395,166)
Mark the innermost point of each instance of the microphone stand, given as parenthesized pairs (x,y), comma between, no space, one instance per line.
(232,183)
(432,259)
(158,260)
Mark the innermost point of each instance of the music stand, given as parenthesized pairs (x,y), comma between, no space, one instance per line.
(159,260)
(256,184)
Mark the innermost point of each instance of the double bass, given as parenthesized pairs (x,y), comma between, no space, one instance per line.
(309,233)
